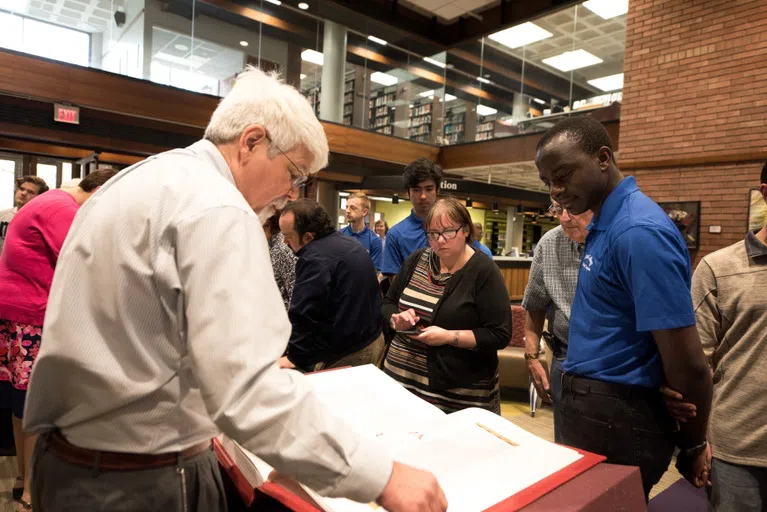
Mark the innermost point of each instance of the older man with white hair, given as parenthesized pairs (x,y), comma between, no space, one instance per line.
(165,325)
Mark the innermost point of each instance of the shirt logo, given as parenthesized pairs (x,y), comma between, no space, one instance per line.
(588,261)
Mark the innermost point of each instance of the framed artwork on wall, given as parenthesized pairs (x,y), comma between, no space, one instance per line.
(686,216)
(757,210)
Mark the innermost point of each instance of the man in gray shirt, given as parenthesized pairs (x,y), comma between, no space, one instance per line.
(164,326)
(549,294)
(27,188)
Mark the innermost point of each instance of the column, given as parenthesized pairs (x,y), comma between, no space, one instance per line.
(327,196)
(292,71)
(334,62)
(519,107)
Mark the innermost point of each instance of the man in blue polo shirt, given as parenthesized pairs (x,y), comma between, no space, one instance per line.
(357,208)
(421,179)
(632,325)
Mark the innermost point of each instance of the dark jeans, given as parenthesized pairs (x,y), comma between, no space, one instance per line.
(737,488)
(555,381)
(191,485)
(627,424)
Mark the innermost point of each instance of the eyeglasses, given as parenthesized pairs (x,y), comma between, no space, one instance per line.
(556,210)
(296,181)
(448,234)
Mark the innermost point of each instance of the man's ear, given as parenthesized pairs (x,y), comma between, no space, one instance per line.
(605,157)
(252,136)
(308,237)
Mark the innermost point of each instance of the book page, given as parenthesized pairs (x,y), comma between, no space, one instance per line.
(372,403)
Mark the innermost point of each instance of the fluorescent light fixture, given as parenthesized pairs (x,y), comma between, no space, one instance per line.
(383,78)
(181,47)
(569,61)
(448,97)
(483,80)
(434,62)
(303,76)
(275,2)
(303,6)
(484,110)
(521,35)
(343,194)
(181,61)
(243,43)
(608,83)
(17,6)
(379,198)
(539,101)
(607,9)
(378,40)
(426,94)
(313,56)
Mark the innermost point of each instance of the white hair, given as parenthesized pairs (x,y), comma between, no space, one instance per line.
(263,98)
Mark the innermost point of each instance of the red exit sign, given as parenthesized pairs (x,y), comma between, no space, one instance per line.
(66,114)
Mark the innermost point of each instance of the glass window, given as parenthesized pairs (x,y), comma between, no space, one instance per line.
(66,172)
(7,183)
(48,173)
(44,39)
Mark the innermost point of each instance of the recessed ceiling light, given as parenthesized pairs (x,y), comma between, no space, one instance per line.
(608,83)
(483,80)
(434,62)
(569,61)
(303,5)
(539,101)
(303,76)
(275,2)
(243,43)
(383,78)
(313,56)
(181,47)
(484,110)
(607,9)
(378,40)
(426,94)
(526,33)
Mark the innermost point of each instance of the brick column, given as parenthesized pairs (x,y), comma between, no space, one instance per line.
(694,114)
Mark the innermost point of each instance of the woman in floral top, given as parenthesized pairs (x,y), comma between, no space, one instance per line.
(283,259)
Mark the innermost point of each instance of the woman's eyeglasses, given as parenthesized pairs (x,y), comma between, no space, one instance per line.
(448,234)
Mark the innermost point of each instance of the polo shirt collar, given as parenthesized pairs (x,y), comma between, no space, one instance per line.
(613,204)
(754,246)
(415,220)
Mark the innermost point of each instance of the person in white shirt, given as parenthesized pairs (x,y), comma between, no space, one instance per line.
(164,327)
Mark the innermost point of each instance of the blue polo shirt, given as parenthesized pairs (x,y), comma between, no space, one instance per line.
(370,242)
(406,237)
(634,278)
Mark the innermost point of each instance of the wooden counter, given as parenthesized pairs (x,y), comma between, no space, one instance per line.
(515,272)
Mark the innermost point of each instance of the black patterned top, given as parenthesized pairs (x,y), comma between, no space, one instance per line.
(284,267)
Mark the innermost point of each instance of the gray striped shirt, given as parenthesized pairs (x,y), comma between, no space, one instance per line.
(553,279)
(164,325)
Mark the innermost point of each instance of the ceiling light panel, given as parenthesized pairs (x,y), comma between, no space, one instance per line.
(434,62)
(607,9)
(570,61)
(484,110)
(313,56)
(377,40)
(521,35)
(608,83)
(383,78)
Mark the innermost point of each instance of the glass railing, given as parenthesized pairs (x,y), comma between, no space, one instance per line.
(517,81)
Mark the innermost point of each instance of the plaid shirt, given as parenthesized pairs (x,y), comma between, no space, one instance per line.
(553,278)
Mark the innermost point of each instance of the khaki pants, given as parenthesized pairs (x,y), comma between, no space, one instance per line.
(372,354)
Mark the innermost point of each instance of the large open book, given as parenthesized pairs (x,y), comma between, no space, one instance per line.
(481,460)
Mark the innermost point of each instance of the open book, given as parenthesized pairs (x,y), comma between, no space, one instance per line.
(480,459)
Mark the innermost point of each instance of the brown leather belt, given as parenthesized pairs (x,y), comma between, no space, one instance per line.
(115,461)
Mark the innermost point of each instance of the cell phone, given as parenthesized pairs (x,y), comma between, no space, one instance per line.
(410,332)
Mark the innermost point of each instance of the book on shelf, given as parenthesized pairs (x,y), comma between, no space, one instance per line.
(481,460)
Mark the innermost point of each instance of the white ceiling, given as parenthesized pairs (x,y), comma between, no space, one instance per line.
(207,59)
(523,175)
(86,15)
(576,28)
(448,10)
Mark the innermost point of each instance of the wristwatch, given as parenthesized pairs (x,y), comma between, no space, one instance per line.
(529,355)
(693,451)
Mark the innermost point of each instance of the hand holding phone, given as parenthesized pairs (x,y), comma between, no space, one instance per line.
(405,321)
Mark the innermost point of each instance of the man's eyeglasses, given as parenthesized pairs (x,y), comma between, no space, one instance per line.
(448,234)
(298,178)
(556,210)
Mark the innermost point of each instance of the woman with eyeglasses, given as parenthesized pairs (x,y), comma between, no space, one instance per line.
(450,310)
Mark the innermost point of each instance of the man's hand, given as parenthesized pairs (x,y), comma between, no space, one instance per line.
(540,379)
(284,362)
(412,490)
(697,470)
(404,321)
(676,406)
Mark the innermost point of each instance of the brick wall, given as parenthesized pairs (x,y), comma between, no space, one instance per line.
(695,93)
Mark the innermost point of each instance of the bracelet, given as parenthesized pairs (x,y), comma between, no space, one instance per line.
(455,338)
